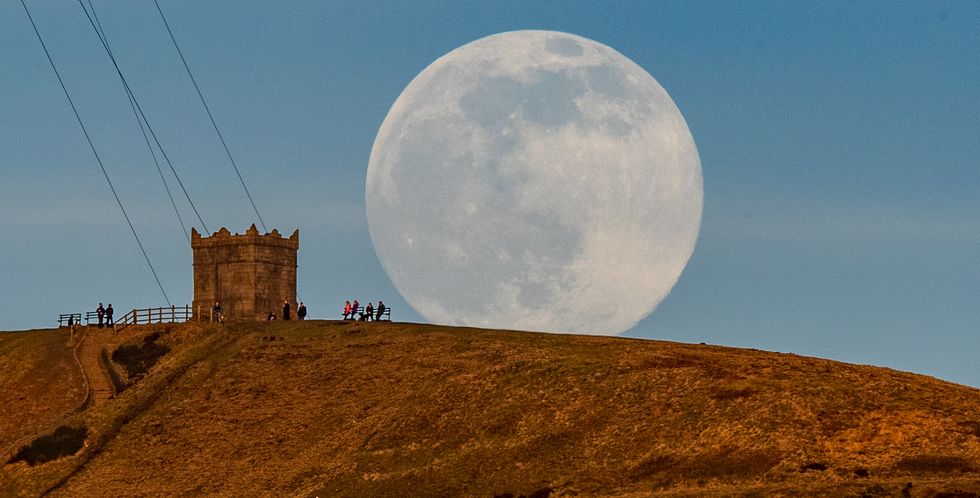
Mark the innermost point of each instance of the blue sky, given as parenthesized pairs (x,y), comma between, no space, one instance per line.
(839,145)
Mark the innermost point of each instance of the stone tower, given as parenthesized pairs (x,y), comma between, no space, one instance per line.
(250,274)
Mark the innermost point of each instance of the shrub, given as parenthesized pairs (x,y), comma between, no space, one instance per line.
(138,359)
(64,441)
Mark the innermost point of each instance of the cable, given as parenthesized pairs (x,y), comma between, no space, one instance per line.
(94,152)
(148,127)
(105,40)
(208,109)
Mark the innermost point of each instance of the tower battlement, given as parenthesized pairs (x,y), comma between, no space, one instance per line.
(250,274)
(251,236)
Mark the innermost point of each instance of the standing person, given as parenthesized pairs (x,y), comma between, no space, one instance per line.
(347,310)
(381,310)
(108,315)
(216,312)
(101,312)
(285,309)
(353,309)
(301,311)
(369,312)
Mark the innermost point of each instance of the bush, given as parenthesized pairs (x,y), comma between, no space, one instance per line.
(138,359)
(64,441)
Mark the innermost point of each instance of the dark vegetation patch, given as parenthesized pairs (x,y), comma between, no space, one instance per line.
(669,362)
(874,491)
(651,465)
(730,463)
(972,426)
(728,394)
(739,464)
(718,372)
(64,441)
(956,494)
(861,472)
(369,345)
(813,466)
(117,382)
(138,359)
(834,422)
(544,492)
(935,464)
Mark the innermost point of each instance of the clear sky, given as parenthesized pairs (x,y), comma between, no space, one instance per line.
(840,146)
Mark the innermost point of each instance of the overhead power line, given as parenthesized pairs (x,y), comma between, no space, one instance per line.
(211,116)
(139,108)
(94,152)
(105,42)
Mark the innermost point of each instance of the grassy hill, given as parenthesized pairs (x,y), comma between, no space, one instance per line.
(39,383)
(390,409)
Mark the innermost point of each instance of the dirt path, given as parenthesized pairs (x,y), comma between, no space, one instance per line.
(90,356)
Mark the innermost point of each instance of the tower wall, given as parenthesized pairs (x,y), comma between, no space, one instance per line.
(250,274)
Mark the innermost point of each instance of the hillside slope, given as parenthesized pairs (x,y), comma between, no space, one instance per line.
(353,409)
(39,383)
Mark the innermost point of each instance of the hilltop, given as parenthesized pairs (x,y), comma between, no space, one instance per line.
(391,409)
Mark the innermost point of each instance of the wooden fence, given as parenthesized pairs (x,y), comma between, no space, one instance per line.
(137,316)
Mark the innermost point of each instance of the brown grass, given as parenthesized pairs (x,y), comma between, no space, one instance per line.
(943,464)
(39,383)
(388,409)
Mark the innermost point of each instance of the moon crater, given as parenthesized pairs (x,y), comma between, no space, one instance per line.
(534,180)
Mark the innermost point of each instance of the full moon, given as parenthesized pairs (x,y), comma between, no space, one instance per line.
(534,180)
